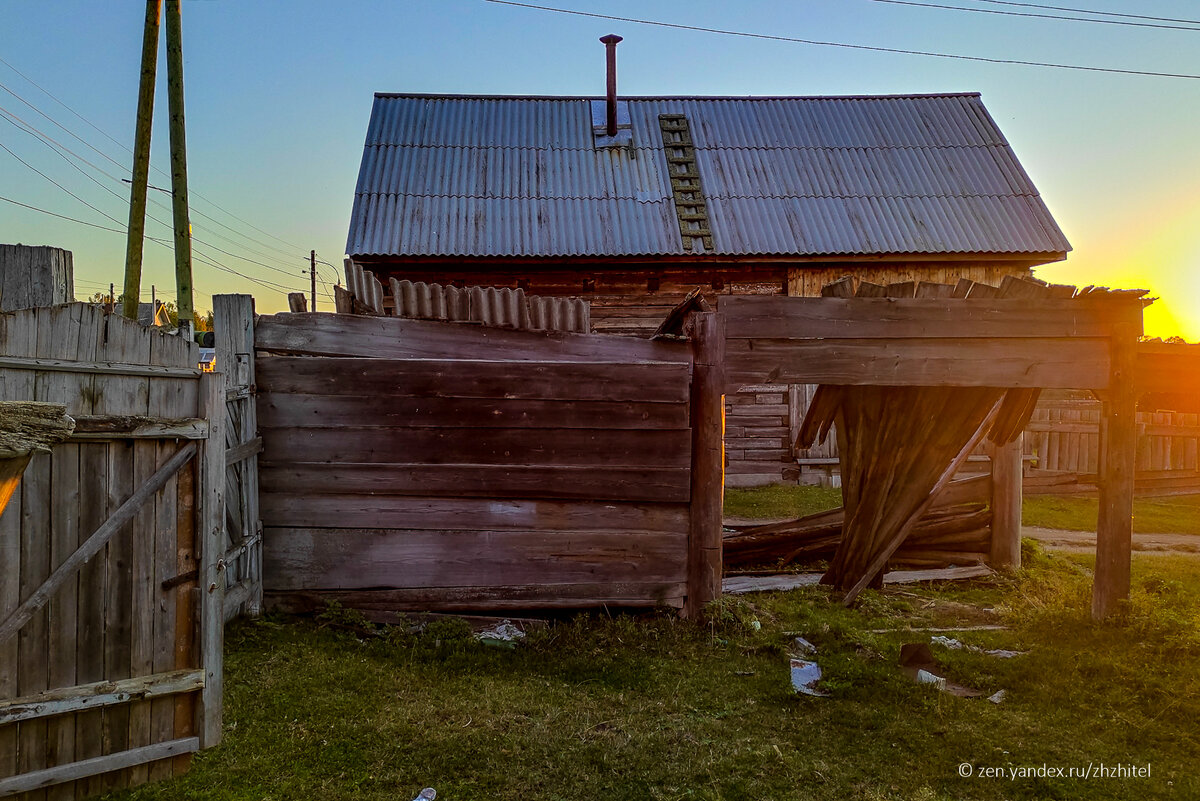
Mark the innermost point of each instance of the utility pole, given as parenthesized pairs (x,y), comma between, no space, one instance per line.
(179,191)
(312,274)
(141,161)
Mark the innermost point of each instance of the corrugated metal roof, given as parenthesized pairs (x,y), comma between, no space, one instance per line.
(511,176)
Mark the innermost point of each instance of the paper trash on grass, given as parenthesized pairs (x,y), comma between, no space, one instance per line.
(803,647)
(504,634)
(998,696)
(805,676)
(957,645)
(428,794)
(917,662)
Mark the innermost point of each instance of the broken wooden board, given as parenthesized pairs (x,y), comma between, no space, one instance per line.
(740,585)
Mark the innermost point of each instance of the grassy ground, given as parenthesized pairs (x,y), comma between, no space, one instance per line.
(779,501)
(1178,514)
(655,708)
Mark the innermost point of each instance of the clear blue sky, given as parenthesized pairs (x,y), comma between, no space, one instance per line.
(278,95)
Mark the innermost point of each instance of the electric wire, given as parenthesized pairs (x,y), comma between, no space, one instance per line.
(846,45)
(1088,11)
(1127,23)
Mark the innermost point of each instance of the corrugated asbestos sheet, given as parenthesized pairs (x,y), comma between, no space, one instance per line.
(510,308)
(492,176)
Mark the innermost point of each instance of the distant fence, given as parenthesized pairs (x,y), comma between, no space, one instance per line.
(110,572)
(428,465)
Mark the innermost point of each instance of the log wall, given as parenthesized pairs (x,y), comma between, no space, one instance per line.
(427,465)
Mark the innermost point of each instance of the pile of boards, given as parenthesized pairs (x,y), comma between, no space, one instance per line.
(955,532)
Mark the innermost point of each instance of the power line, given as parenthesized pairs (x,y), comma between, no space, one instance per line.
(61,216)
(56,183)
(61,150)
(947,7)
(1088,11)
(193,192)
(819,43)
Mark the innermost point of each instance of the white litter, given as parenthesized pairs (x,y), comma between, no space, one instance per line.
(803,647)
(428,794)
(956,645)
(925,677)
(504,631)
(805,676)
(998,696)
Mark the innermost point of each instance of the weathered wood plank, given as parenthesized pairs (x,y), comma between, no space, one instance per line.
(304,559)
(211,536)
(1168,368)
(96,368)
(109,426)
(97,765)
(1031,362)
(667,484)
(454,599)
(33,669)
(358,511)
(63,700)
(1005,550)
(770,317)
(399,338)
(1114,529)
(707,335)
(464,378)
(286,410)
(566,446)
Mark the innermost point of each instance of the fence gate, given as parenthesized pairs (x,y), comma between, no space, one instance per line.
(111,583)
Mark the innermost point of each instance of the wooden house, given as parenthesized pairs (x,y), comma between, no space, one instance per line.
(632,202)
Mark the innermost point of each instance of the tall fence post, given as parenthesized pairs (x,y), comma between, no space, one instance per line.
(707,333)
(1118,456)
(212,557)
(1006,505)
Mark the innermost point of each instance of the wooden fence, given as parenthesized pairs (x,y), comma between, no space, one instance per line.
(110,558)
(427,465)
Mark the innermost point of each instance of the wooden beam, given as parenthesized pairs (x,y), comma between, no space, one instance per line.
(1118,459)
(591,595)
(99,694)
(212,551)
(1006,506)
(1166,367)
(98,368)
(106,427)
(13,623)
(48,777)
(707,341)
(1031,362)
(297,302)
(769,317)
(240,453)
(400,338)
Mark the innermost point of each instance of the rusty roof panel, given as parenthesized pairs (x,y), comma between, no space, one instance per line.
(505,176)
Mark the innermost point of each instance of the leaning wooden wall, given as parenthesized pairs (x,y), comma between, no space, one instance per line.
(426,465)
(100,688)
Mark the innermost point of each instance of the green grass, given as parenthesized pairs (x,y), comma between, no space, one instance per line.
(619,707)
(1176,514)
(780,501)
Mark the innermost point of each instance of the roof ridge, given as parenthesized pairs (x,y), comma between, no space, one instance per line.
(665,197)
(905,96)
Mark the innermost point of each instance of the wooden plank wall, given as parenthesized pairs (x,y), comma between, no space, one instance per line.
(430,465)
(114,620)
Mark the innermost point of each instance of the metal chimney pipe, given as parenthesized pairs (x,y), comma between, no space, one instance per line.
(610,47)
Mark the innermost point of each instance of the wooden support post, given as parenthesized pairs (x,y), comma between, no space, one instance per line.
(211,536)
(141,162)
(1006,506)
(179,187)
(707,333)
(1118,452)
(297,302)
